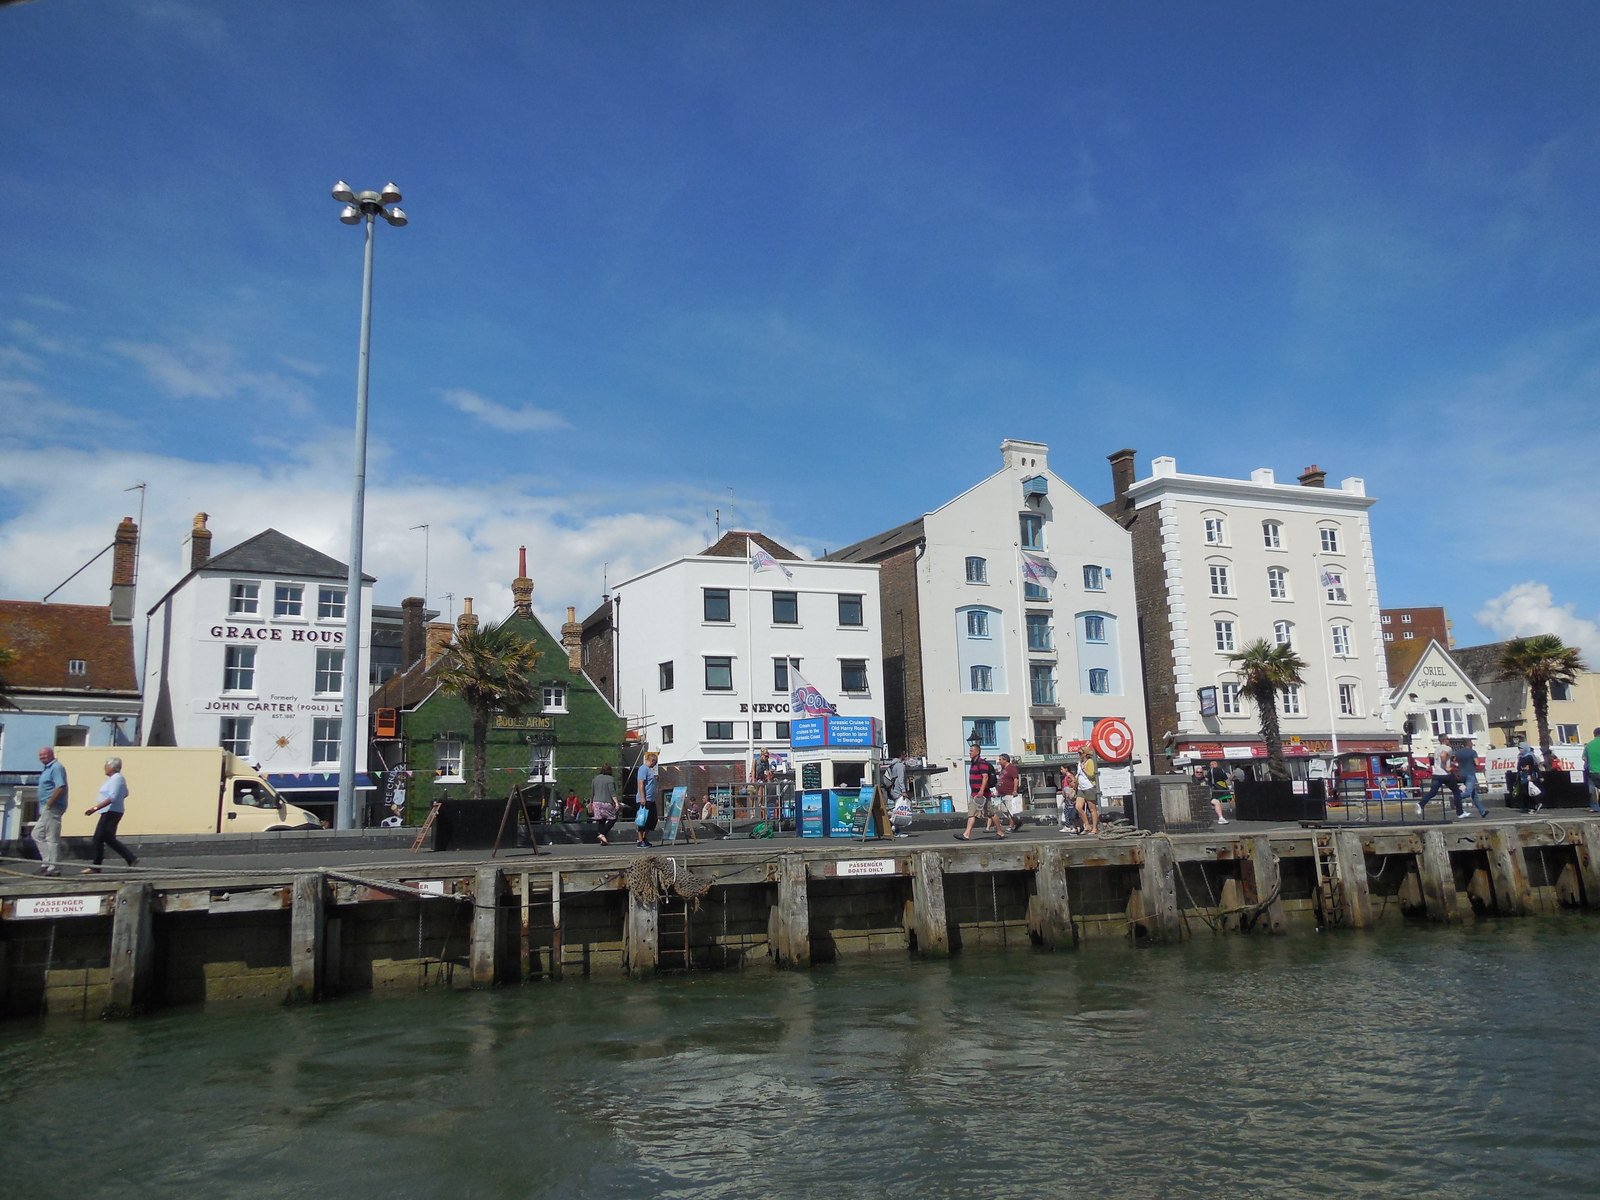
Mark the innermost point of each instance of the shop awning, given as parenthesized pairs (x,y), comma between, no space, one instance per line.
(316,781)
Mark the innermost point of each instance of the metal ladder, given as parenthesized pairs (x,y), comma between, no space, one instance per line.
(1327,877)
(672,934)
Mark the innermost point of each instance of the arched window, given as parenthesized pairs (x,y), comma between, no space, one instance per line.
(1283,633)
(1272,535)
(1277,583)
(1339,634)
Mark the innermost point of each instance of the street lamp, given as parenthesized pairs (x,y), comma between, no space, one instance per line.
(358,207)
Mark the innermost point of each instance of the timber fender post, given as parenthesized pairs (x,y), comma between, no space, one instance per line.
(1160,892)
(789,933)
(132,950)
(1508,873)
(486,937)
(1263,881)
(642,937)
(307,938)
(1438,881)
(1049,911)
(1355,890)
(1587,852)
(930,926)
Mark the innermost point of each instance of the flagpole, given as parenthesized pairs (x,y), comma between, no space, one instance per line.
(1022,624)
(1325,635)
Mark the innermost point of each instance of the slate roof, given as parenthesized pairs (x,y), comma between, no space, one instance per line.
(1508,698)
(46,636)
(879,544)
(274,553)
(732,545)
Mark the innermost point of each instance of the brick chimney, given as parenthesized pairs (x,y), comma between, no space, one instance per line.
(439,635)
(413,615)
(1122,472)
(199,543)
(572,640)
(124,571)
(467,622)
(1313,476)
(522,586)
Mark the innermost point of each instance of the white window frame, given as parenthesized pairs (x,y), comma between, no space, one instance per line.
(1339,640)
(1230,699)
(1283,633)
(242,729)
(244,598)
(553,697)
(1216,530)
(1448,720)
(239,669)
(1328,536)
(1277,583)
(1224,635)
(330,672)
(1221,579)
(326,733)
(1289,701)
(331,602)
(1349,700)
(289,600)
(449,759)
(1272,535)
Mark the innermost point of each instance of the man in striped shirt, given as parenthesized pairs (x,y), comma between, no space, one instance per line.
(980,786)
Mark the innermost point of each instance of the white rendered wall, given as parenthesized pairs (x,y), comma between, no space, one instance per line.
(659,618)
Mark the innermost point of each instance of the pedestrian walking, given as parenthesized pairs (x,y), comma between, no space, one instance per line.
(644,820)
(52,807)
(1528,769)
(1467,765)
(1443,776)
(1088,796)
(603,802)
(1591,771)
(1007,789)
(113,797)
(980,798)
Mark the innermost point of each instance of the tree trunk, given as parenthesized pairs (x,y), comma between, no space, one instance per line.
(480,748)
(1267,706)
(1541,718)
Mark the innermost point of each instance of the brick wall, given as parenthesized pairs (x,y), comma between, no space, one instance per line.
(905,716)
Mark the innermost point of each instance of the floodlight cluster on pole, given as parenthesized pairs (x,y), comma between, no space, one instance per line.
(359,207)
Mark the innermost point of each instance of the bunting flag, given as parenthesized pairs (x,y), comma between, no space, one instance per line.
(1036,569)
(806,699)
(761,560)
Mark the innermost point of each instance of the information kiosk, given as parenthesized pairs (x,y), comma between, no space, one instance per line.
(834,760)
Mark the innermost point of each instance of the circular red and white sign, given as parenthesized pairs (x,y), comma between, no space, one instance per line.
(1112,740)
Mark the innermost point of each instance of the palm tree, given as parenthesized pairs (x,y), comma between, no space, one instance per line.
(490,669)
(1540,661)
(1264,671)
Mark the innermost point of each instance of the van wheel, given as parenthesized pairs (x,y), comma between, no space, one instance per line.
(279,828)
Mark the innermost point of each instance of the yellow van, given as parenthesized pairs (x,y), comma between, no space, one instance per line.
(173,790)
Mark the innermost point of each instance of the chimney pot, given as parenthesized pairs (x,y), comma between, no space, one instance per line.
(199,543)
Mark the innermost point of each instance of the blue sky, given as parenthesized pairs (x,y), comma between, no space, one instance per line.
(803,263)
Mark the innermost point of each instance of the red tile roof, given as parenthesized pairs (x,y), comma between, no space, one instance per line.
(45,637)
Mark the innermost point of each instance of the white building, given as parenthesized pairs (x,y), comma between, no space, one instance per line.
(971,645)
(246,652)
(1436,700)
(1225,562)
(705,649)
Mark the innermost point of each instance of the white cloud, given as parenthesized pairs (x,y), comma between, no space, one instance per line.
(525,419)
(1528,608)
(209,370)
(67,502)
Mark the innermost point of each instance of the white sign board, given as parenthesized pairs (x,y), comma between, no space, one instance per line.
(1115,782)
(864,866)
(37,907)
(434,887)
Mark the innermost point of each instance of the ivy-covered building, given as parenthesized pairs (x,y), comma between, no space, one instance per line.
(422,738)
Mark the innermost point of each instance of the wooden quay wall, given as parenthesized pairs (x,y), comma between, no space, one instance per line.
(102,948)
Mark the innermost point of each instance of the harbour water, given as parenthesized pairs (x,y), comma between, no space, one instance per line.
(1418,1063)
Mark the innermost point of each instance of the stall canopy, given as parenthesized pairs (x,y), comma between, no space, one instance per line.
(315,781)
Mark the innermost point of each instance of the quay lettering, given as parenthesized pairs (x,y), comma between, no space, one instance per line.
(763,708)
(254,633)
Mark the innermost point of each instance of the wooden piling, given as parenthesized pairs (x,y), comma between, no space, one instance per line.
(485,953)
(557,956)
(1355,890)
(789,923)
(930,925)
(642,937)
(132,950)
(1049,910)
(307,937)
(1438,882)
(1159,891)
(1262,883)
(1587,851)
(1508,872)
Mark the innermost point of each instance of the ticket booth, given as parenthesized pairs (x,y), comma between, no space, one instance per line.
(835,763)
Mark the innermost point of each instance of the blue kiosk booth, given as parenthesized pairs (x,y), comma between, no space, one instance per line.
(834,760)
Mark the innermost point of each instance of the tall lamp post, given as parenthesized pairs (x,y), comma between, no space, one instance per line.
(358,207)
